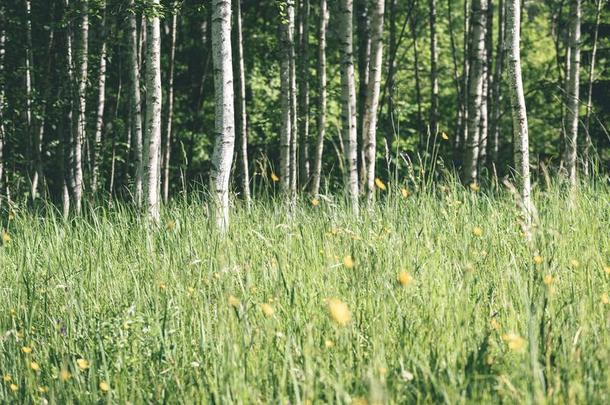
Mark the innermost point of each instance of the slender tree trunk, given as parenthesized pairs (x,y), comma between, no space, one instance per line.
(463,136)
(496,96)
(2,96)
(153,112)
(67,151)
(170,104)
(303,105)
(286,136)
(587,150)
(82,57)
(348,96)
(321,117)
(363,30)
(573,93)
(487,83)
(240,106)
(135,103)
(294,136)
(377,9)
(475,90)
(519,113)
(433,70)
(225,113)
(418,96)
(101,101)
(391,84)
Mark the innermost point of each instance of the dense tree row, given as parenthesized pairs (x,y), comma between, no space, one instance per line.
(142,99)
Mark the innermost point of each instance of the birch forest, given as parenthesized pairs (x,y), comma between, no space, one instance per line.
(304,201)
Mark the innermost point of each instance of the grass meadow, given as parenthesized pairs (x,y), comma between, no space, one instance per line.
(426,298)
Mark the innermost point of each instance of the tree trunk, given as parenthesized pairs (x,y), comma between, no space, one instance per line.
(101,101)
(287,41)
(153,111)
(418,96)
(519,113)
(573,93)
(496,96)
(475,90)
(2,95)
(587,150)
(348,99)
(433,71)
(82,57)
(372,101)
(240,107)
(170,104)
(135,104)
(303,105)
(321,117)
(363,30)
(68,130)
(225,113)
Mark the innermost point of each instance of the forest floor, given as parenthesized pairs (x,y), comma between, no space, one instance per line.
(434,297)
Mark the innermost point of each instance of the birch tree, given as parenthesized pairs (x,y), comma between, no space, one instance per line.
(101,101)
(433,70)
(224,110)
(135,102)
(153,109)
(372,101)
(287,44)
(519,112)
(82,59)
(573,92)
(475,90)
(348,100)
(303,83)
(170,103)
(321,115)
(2,95)
(240,107)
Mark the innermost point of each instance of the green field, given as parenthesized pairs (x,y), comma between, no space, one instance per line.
(107,308)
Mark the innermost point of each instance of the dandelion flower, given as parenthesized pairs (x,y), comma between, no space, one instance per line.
(383,370)
(405,279)
(339,311)
(26,349)
(6,238)
(514,342)
(605,299)
(162,286)
(104,386)
(14,387)
(477,231)
(328,343)
(574,263)
(82,364)
(495,325)
(267,310)
(43,390)
(348,262)
(7,378)
(64,375)
(274,177)
(380,184)
(474,187)
(405,192)
(190,290)
(35,366)
(538,259)
(548,280)
(607,269)
(315,202)
(234,301)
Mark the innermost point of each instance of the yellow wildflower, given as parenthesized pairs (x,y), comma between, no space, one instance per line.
(162,286)
(267,309)
(104,386)
(445,136)
(35,366)
(574,263)
(477,231)
(495,325)
(315,202)
(234,301)
(383,370)
(405,192)
(348,262)
(474,187)
(605,299)
(405,279)
(274,177)
(14,387)
(190,290)
(26,349)
(380,184)
(7,378)
(43,390)
(328,343)
(514,342)
(6,238)
(82,364)
(64,375)
(339,311)
(538,259)
(548,280)
(607,269)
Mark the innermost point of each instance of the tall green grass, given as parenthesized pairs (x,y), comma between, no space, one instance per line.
(148,307)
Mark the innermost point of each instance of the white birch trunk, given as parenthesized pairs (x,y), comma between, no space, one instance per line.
(573,93)
(135,104)
(369,130)
(348,100)
(101,101)
(153,113)
(82,58)
(588,144)
(2,97)
(433,70)
(222,158)
(287,40)
(303,105)
(170,105)
(321,117)
(519,112)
